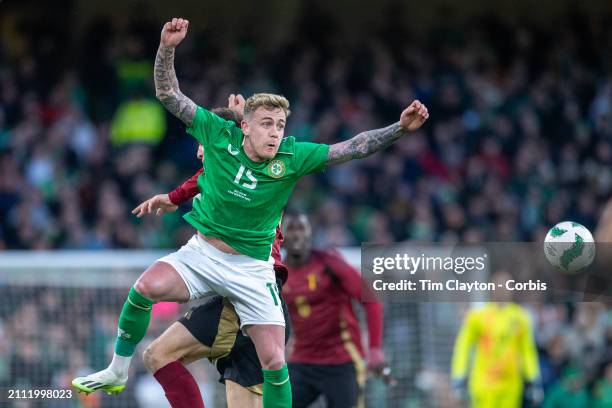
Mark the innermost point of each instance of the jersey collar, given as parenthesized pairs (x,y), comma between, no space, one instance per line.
(285,147)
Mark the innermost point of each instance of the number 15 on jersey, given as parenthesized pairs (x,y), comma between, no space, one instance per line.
(248,175)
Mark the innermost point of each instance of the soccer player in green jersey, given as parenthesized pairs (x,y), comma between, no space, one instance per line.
(251,171)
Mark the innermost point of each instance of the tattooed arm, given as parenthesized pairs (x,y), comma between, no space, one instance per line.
(166,84)
(372,141)
(364,144)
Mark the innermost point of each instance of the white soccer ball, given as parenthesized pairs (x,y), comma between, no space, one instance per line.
(569,247)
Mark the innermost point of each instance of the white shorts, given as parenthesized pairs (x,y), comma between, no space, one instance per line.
(250,284)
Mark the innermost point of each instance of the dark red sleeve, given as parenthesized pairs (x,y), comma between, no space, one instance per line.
(186,191)
(350,280)
(374,317)
(279,267)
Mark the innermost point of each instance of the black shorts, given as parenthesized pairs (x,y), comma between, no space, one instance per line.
(216,325)
(337,383)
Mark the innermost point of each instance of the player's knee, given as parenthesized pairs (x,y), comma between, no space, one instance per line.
(274,361)
(153,357)
(149,288)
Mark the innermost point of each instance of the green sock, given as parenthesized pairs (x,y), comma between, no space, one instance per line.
(277,388)
(133,323)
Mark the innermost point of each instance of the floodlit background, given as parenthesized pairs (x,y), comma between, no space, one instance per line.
(519,138)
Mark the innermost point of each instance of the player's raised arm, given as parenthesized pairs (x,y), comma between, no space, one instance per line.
(372,141)
(166,84)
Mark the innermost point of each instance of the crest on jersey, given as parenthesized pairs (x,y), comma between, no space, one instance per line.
(277,168)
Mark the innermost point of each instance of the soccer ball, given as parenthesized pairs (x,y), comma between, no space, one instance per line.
(569,247)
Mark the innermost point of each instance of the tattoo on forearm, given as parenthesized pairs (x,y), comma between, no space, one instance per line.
(364,144)
(167,87)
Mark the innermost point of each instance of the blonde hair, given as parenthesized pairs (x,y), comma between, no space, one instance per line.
(267,100)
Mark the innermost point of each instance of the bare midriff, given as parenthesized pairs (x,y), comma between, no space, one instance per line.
(219,244)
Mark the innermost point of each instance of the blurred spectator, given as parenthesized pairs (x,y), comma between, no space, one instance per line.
(138,120)
(569,392)
(602,392)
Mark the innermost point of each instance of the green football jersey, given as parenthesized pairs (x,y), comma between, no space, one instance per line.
(244,199)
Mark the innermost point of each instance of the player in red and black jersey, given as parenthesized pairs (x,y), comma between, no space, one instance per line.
(327,357)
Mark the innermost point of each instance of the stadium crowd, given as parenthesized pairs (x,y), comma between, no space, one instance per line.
(519,138)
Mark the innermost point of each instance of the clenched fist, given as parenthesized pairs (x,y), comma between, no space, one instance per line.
(236,103)
(174,32)
(414,116)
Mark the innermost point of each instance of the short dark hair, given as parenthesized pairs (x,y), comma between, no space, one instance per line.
(294,212)
(228,114)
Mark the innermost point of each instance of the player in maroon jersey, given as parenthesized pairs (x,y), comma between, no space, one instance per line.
(327,357)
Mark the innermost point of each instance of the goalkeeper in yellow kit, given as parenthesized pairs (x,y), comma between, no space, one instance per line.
(505,356)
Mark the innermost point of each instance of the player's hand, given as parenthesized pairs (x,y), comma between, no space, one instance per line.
(376,358)
(378,366)
(174,32)
(414,116)
(236,103)
(534,393)
(160,204)
(460,388)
